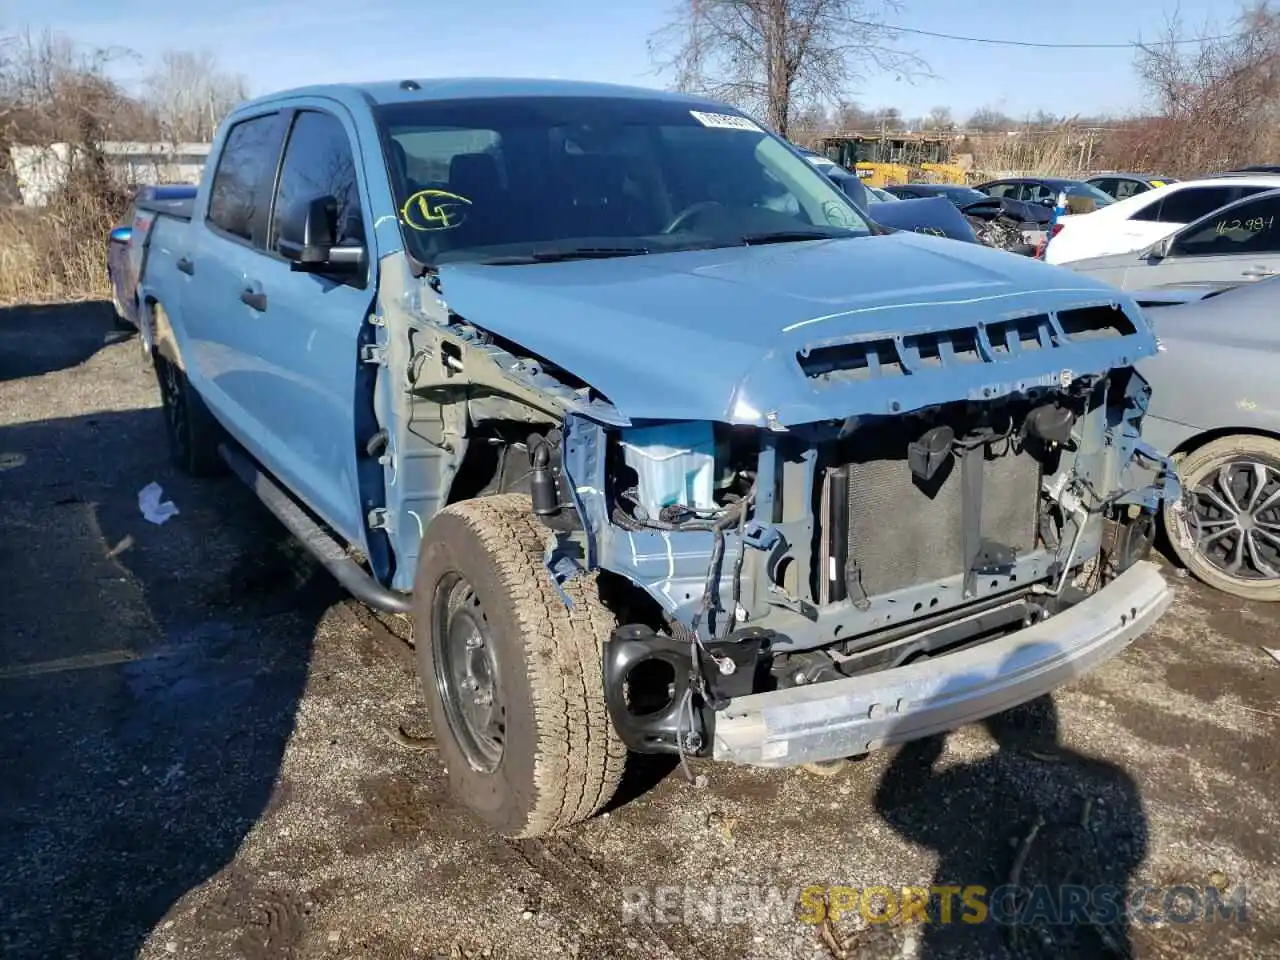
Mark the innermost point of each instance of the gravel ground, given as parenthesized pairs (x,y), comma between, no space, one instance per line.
(198,758)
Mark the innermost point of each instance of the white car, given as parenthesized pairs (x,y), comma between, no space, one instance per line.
(1130,225)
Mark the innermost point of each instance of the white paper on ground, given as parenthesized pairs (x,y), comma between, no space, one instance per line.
(153,508)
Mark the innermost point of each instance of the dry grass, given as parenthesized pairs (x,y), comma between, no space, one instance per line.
(59,252)
(1058,152)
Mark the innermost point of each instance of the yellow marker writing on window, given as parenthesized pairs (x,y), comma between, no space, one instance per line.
(434,210)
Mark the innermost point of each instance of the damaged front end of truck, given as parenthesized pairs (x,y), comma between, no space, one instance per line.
(894,521)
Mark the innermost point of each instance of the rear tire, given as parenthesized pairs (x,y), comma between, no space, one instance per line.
(117,313)
(1249,465)
(192,431)
(511,676)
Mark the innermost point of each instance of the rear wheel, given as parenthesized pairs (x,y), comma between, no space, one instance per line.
(511,675)
(192,432)
(1232,501)
(118,318)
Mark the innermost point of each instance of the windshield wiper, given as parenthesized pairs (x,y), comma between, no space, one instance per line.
(788,236)
(572,253)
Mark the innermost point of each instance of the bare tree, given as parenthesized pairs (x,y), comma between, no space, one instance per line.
(888,119)
(989,120)
(939,119)
(850,116)
(1217,100)
(53,91)
(771,57)
(189,94)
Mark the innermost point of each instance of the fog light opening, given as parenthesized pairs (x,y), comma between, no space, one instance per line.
(650,687)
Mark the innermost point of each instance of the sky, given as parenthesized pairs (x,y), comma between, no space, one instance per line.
(277,44)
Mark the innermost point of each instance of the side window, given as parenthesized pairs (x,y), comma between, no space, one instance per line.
(1187,205)
(248,157)
(1252,227)
(1124,189)
(1038,193)
(1009,190)
(318,162)
(1110,187)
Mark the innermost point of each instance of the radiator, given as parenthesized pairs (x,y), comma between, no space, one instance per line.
(900,531)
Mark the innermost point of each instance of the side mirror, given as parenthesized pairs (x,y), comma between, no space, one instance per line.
(309,240)
(121,235)
(1158,250)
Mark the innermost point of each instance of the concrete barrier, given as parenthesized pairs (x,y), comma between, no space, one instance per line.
(39,171)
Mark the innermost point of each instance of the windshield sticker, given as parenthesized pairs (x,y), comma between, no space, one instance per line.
(725,121)
(430,210)
(839,215)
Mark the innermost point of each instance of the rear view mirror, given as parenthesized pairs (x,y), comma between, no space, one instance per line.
(121,235)
(308,238)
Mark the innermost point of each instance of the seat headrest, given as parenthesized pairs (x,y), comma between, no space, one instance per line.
(474,173)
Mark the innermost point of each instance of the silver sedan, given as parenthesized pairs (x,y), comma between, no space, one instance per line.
(1215,406)
(1234,244)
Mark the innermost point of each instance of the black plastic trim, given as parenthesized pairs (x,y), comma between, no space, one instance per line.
(321,544)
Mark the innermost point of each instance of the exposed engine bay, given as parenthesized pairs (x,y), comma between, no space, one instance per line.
(874,500)
(869,544)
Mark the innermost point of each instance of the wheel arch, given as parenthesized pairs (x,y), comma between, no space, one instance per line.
(1205,437)
(164,341)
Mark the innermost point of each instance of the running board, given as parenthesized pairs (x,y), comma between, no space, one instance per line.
(319,542)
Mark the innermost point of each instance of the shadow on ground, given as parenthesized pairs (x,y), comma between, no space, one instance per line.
(1053,836)
(149,677)
(66,334)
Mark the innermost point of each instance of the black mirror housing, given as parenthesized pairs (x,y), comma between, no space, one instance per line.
(310,243)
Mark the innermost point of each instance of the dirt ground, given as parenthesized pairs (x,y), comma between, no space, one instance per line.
(197,759)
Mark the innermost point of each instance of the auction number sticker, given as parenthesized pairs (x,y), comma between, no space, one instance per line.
(725,121)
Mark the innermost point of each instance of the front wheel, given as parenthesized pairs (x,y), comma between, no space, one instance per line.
(511,675)
(1232,501)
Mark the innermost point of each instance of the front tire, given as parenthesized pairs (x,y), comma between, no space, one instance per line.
(1232,488)
(511,675)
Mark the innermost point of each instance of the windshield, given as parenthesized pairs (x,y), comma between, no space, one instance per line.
(537,177)
(962,194)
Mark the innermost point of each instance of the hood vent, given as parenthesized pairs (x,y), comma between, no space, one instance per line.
(1096,323)
(914,353)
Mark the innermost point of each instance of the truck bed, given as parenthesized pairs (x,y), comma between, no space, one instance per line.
(179,209)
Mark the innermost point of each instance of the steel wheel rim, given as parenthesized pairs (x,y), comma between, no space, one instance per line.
(1236,509)
(173,403)
(466,673)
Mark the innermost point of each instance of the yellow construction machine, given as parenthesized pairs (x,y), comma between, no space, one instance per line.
(883,159)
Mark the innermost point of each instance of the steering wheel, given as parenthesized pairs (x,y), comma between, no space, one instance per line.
(688,213)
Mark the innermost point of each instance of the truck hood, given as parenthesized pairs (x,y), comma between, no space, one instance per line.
(726,334)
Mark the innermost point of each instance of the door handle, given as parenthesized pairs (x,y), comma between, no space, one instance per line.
(187,267)
(1257,273)
(254,298)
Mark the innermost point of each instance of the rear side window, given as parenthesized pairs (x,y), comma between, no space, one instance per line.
(1186,205)
(318,162)
(248,159)
(1009,190)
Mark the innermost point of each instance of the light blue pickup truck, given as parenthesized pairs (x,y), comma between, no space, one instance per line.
(663,445)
